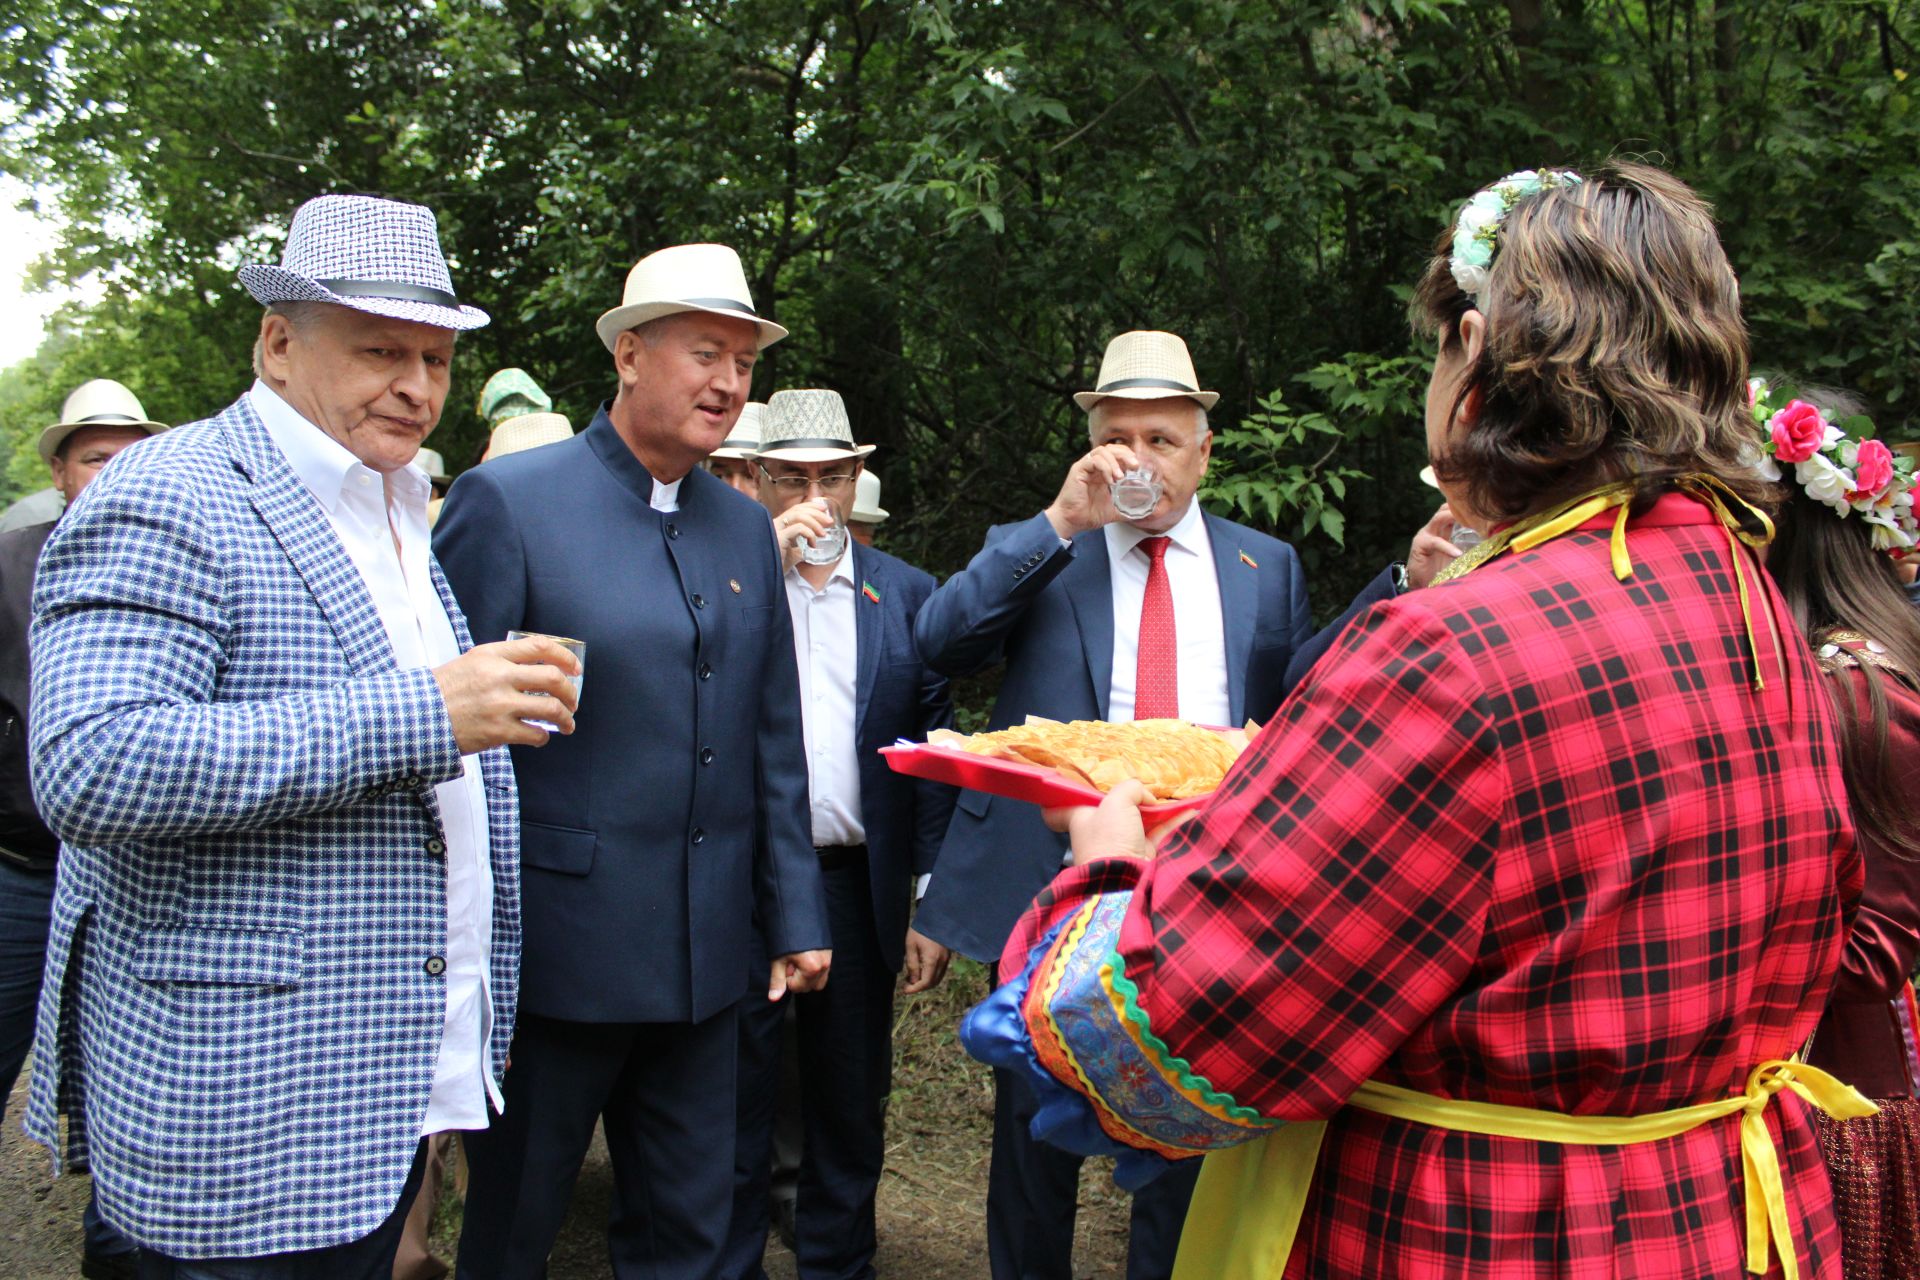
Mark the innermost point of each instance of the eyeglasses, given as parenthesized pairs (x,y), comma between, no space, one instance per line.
(800,484)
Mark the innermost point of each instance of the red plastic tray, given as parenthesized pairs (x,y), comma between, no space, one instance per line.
(1016,779)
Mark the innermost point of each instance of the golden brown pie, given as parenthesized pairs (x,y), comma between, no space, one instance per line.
(1171,758)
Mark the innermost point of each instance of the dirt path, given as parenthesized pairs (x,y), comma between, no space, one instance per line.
(932,1199)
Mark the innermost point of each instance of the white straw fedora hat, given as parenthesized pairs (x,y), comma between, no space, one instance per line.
(1146,364)
(686,277)
(866,500)
(99,403)
(744,440)
(808,426)
(378,256)
(430,461)
(528,431)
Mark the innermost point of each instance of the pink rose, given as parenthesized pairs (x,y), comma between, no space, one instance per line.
(1872,469)
(1798,432)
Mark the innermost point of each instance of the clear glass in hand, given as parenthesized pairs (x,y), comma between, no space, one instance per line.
(1136,493)
(831,545)
(1465,536)
(578,648)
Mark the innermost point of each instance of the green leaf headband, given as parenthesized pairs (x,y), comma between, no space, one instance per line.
(1476,232)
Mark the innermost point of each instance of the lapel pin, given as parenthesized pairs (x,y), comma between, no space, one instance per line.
(866,589)
(734,583)
(1249,561)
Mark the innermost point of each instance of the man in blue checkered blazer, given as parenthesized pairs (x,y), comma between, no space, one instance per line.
(285,939)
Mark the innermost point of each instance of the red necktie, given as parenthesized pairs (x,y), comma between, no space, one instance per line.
(1156,680)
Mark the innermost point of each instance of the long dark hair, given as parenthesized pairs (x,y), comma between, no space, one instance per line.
(1833,580)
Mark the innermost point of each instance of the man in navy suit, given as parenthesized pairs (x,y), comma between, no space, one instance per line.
(677,814)
(863,687)
(1099,617)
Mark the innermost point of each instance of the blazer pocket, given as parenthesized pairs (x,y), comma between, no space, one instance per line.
(974,803)
(756,617)
(220,956)
(567,850)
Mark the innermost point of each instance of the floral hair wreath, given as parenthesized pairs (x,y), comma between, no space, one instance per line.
(1844,468)
(1476,232)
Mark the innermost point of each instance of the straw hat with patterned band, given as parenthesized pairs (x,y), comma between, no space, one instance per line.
(377,256)
(866,501)
(808,426)
(528,431)
(99,403)
(1146,364)
(744,440)
(686,277)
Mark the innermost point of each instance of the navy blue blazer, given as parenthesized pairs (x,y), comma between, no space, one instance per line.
(676,814)
(1046,611)
(898,697)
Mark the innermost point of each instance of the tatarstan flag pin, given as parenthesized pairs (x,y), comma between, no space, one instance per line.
(866,589)
(1249,561)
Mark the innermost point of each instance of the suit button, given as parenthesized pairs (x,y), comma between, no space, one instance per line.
(1019,574)
(413,782)
(699,602)
(706,755)
(706,672)
(673,530)
(435,966)
(698,836)
(436,846)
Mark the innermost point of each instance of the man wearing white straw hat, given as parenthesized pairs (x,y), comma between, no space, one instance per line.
(675,818)
(867,514)
(99,419)
(526,431)
(1123,600)
(863,687)
(733,460)
(285,930)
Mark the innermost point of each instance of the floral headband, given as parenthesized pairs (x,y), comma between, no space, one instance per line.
(1844,468)
(1476,233)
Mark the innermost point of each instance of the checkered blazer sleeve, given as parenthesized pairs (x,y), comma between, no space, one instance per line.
(132,735)
(1288,941)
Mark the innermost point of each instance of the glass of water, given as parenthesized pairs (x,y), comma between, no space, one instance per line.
(1465,536)
(1136,493)
(578,648)
(831,545)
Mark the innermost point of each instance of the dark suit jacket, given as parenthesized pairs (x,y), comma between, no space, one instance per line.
(1380,588)
(21,830)
(898,697)
(677,812)
(1047,612)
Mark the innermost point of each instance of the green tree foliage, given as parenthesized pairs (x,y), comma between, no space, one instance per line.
(954,203)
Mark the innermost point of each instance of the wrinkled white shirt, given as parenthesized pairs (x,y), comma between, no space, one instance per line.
(825,646)
(367,511)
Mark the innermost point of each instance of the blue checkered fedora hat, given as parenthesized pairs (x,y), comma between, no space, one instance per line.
(373,255)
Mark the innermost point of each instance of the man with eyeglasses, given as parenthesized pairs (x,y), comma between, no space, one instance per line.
(862,686)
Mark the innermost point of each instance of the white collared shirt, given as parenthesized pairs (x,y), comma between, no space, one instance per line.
(368,511)
(1198,627)
(825,647)
(665,497)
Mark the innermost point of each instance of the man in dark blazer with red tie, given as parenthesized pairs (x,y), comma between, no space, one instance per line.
(1099,617)
(676,814)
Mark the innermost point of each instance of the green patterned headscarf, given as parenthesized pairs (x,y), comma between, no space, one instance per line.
(510,393)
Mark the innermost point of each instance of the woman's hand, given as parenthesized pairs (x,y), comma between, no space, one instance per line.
(1112,830)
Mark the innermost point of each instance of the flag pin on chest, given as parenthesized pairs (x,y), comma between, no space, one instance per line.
(734,585)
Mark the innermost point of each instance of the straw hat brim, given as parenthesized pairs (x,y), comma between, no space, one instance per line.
(1428,478)
(1087,399)
(51,438)
(270,284)
(728,451)
(877,515)
(815,454)
(617,321)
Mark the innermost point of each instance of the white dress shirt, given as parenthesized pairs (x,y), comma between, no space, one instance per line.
(369,512)
(1198,627)
(665,497)
(825,648)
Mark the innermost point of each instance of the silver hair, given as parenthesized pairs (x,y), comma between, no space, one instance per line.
(298,315)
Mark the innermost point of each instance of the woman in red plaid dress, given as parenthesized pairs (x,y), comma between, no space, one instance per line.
(1564,832)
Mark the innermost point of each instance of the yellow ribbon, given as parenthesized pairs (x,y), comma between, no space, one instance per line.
(1727,506)
(1248,1203)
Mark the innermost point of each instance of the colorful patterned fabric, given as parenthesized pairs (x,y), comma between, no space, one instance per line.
(1528,838)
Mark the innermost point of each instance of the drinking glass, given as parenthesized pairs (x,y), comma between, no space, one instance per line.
(831,545)
(1465,536)
(578,648)
(1136,493)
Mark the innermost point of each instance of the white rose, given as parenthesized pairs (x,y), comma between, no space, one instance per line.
(1825,482)
(1887,534)
(1758,461)
(1472,280)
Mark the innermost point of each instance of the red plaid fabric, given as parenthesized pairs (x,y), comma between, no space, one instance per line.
(1156,682)
(1532,838)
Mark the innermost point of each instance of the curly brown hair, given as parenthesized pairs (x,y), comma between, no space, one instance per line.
(1615,348)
